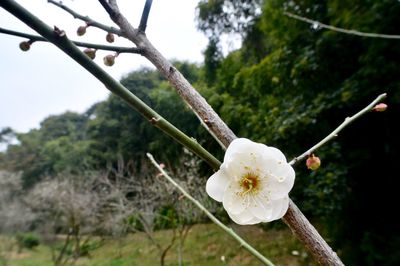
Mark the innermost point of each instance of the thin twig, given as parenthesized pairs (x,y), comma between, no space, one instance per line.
(36,38)
(209,214)
(109,8)
(145,15)
(334,133)
(88,20)
(341,30)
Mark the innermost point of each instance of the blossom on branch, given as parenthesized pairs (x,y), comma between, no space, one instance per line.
(252,183)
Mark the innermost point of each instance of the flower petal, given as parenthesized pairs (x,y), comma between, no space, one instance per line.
(275,153)
(216,185)
(261,207)
(244,218)
(280,208)
(279,182)
(233,201)
(240,145)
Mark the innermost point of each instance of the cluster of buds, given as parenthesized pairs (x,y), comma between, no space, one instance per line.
(25,45)
(109,60)
(313,162)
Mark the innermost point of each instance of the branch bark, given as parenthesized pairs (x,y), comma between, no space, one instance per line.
(294,218)
(183,87)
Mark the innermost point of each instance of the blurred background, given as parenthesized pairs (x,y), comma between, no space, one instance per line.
(76,188)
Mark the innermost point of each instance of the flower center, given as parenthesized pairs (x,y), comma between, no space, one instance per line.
(250,183)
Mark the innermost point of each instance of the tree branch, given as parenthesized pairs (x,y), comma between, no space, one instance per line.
(335,132)
(88,20)
(294,217)
(341,30)
(36,38)
(110,7)
(182,86)
(209,214)
(58,38)
(145,15)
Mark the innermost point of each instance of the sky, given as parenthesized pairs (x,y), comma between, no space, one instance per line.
(44,81)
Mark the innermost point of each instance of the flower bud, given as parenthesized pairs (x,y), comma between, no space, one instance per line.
(109,60)
(380,107)
(81,30)
(110,37)
(90,52)
(313,162)
(25,46)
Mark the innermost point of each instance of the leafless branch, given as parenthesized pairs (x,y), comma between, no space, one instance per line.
(145,15)
(335,132)
(341,30)
(88,20)
(35,38)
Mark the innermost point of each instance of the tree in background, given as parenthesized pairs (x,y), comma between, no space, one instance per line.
(298,82)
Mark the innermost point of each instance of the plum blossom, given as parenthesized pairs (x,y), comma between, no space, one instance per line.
(252,183)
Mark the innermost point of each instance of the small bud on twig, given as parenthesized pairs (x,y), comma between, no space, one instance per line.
(25,46)
(110,37)
(109,60)
(380,107)
(90,52)
(313,162)
(81,30)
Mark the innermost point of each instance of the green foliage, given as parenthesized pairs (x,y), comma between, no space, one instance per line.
(290,85)
(27,240)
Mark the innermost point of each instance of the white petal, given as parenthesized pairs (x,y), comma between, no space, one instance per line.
(280,208)
(275,153)
(233,201)
(217,184)
(240,145)
(279,181)
(261,207)
(244,218)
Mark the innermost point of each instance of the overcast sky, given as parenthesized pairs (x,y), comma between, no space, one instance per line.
(44,81)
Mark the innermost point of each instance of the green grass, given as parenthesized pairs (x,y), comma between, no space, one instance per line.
(205,245)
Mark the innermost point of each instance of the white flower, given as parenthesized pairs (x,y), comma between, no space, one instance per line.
(253,182)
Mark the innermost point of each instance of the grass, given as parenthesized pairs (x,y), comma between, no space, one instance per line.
(205,245)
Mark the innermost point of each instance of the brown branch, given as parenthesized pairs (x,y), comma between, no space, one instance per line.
(183,87)
(88,20)
(36,38)
(310,237)
(294,218)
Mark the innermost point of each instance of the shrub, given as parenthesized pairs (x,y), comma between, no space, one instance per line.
(27,240)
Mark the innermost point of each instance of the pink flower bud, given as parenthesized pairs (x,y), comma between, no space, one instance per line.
(110,37)
(81,30)
(313,162)
(162,166)
(90,52)
(109,60)
(25,46)
(380,107)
